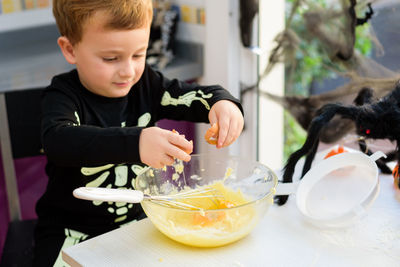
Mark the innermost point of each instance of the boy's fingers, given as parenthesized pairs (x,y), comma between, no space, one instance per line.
(181,148)
(176,152)
(234,132)
(223,132)
(188,150)
(187,146)
(229,140)
(167,160)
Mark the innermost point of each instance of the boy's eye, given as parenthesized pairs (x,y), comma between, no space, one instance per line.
(139,55)
(108,59)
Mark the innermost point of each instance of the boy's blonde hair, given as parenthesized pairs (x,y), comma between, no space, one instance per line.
(71,15)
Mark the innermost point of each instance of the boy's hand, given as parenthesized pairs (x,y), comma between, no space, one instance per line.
(229,120)
(159,147)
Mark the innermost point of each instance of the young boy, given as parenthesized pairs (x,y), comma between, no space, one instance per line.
(98,120)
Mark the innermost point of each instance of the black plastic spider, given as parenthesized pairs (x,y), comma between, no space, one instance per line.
(374,119)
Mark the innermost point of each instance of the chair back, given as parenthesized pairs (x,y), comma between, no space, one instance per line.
(20,116)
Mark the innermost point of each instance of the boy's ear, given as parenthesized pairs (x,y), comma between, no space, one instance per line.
(67,49)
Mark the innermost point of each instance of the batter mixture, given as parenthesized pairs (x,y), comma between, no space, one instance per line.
(220,219)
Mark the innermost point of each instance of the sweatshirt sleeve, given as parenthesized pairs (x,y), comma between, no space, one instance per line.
(187,101)
(67,142)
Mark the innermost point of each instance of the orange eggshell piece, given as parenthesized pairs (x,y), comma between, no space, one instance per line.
(333,152)
(211,135)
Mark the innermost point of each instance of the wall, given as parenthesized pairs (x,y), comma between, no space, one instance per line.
(32,180)
(221,58)
(270,121)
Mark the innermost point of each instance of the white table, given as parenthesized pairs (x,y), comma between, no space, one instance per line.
(282,238)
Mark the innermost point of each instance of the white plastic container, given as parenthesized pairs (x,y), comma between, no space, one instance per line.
(337,191)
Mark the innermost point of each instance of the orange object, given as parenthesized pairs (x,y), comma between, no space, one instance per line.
(211,135)
(395,171)
(395,174)
(207,218)
(333,152)
(187,151)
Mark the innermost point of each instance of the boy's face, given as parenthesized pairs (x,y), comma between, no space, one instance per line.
(110,62)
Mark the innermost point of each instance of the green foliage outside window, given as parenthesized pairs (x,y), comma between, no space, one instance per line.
(310,63)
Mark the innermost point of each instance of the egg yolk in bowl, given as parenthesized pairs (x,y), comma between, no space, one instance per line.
(222,217)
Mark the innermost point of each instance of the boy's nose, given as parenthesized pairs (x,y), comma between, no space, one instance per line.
(127,70)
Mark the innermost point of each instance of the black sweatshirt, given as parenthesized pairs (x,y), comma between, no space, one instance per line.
(91,140)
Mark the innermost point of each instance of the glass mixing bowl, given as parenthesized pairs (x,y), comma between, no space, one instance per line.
(244,191)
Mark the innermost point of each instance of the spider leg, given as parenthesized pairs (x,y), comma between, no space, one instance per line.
(309,159)
(312,139)
(390,156)
(291,164)
(364,96)
(383,167)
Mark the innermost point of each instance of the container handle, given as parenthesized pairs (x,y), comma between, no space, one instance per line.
(377,155)
(283,189)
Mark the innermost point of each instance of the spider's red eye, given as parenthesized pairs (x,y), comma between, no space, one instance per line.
(368,131)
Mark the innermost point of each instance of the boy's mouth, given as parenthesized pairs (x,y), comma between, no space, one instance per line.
(122,84)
